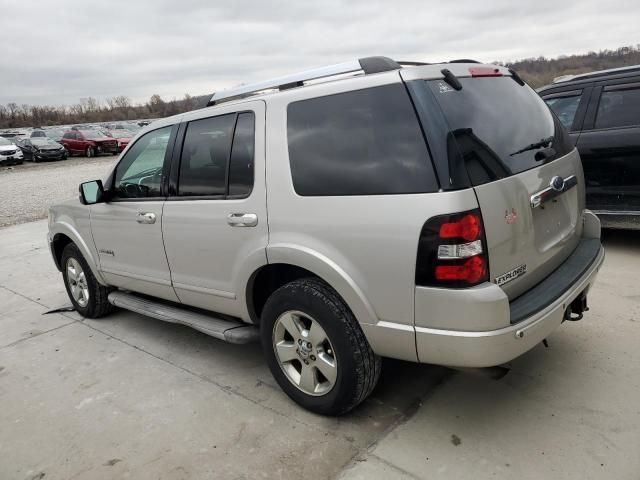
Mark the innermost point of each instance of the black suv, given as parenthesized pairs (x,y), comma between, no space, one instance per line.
(601,110)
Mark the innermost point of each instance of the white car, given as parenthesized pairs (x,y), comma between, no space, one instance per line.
(10,153)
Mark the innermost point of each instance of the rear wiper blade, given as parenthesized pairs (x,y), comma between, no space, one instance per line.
(534,146)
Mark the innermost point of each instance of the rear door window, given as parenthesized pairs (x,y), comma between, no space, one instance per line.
(363,142)
(497,128)
(565,106)
(619,106)
(205,155)
(242,156)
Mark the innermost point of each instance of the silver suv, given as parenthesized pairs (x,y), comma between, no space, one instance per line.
(429,213)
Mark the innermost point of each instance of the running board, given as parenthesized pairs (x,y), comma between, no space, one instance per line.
(227,330)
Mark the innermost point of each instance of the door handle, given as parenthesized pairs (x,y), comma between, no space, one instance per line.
(242,219)
(146,217)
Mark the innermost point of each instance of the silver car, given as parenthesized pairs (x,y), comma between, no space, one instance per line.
(429,213)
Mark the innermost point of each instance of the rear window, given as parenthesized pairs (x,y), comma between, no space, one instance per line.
(497,128)
(364,142)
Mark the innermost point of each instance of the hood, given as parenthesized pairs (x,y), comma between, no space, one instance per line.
(6,148)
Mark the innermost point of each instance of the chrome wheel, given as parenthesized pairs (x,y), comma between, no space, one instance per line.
(305,353)
(77,281)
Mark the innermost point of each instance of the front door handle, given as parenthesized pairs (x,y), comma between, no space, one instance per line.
(146,217)
(242,219)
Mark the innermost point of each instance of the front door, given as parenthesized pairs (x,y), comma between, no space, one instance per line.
(215,224)
(127,230)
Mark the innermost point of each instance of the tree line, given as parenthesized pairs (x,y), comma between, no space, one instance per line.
(541,71)
(535,71)
(91,110)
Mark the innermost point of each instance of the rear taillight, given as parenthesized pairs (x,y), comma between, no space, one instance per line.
(452,251)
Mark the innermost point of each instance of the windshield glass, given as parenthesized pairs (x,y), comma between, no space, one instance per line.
(497,128)
(4,141)
(42,141)
(94,135)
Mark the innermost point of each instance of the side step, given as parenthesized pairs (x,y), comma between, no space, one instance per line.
(227,330)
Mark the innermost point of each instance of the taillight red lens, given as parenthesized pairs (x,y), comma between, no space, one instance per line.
(471,271)
(452,251)
(468,228)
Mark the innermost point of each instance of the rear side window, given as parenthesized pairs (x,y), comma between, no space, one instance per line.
(565,107)
(498,128)
(205,154)
(619,108)
(364,142)
(242,154)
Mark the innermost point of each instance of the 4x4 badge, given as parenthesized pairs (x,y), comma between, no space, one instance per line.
(510,217)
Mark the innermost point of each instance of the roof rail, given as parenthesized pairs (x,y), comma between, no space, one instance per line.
(367,65)
(597,73)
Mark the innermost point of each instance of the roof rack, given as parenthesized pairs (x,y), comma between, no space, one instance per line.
(366,65)
(598,73)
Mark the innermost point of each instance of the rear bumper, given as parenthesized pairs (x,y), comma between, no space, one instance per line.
(494,347)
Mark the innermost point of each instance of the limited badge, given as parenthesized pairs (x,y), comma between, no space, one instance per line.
(511,275)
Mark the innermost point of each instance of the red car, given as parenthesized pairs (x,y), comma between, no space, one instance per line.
(123,137)
(89,143)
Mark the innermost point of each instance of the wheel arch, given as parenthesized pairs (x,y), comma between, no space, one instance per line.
(61,235)
(290,262)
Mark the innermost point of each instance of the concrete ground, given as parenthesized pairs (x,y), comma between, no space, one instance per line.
(131,397)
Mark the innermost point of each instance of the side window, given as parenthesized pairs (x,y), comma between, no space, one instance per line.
(565,107)
(619,107)
(67,135)
(364,142)
(205,154)
(139,173)
(242,155)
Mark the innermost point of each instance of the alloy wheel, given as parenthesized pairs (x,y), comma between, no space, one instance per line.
(305,353)
(77,281)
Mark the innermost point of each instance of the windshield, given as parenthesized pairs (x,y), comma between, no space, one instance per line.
(497,128)
(42,141)
(4,141)
(94,135)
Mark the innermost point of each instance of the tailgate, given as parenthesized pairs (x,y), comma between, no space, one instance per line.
(525,243)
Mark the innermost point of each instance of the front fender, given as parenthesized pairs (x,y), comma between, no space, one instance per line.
(330,272)
(65,226)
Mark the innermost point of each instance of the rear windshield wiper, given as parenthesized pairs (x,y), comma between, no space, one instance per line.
(534,146)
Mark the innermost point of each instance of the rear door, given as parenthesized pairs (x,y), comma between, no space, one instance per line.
(503,140)
(215,220)
(610,148)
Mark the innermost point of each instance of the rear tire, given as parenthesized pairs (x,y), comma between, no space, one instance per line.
(90,152)
(88,297)
(305,305)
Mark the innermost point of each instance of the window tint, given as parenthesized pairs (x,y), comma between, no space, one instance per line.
(497,128)
(565,108)
(139,173)
(365,142)
(241,166)
(205,154)
(619,108)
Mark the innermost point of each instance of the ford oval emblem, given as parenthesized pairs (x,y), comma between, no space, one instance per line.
(557,183)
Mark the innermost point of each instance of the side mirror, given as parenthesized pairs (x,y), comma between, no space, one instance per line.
(92,192)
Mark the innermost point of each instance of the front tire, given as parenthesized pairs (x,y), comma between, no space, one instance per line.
(316,349)
(90,152)
(88,297)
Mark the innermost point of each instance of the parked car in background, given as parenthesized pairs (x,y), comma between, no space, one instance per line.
(601,110)
(38,133)
(10,153)
(89,143)
(121,136)
(38,149)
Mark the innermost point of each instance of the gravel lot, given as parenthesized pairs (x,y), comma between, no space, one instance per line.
(27,190)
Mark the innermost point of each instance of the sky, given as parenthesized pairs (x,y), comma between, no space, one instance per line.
(55,52)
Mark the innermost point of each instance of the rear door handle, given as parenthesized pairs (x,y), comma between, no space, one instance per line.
(242,219)
(146,217)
